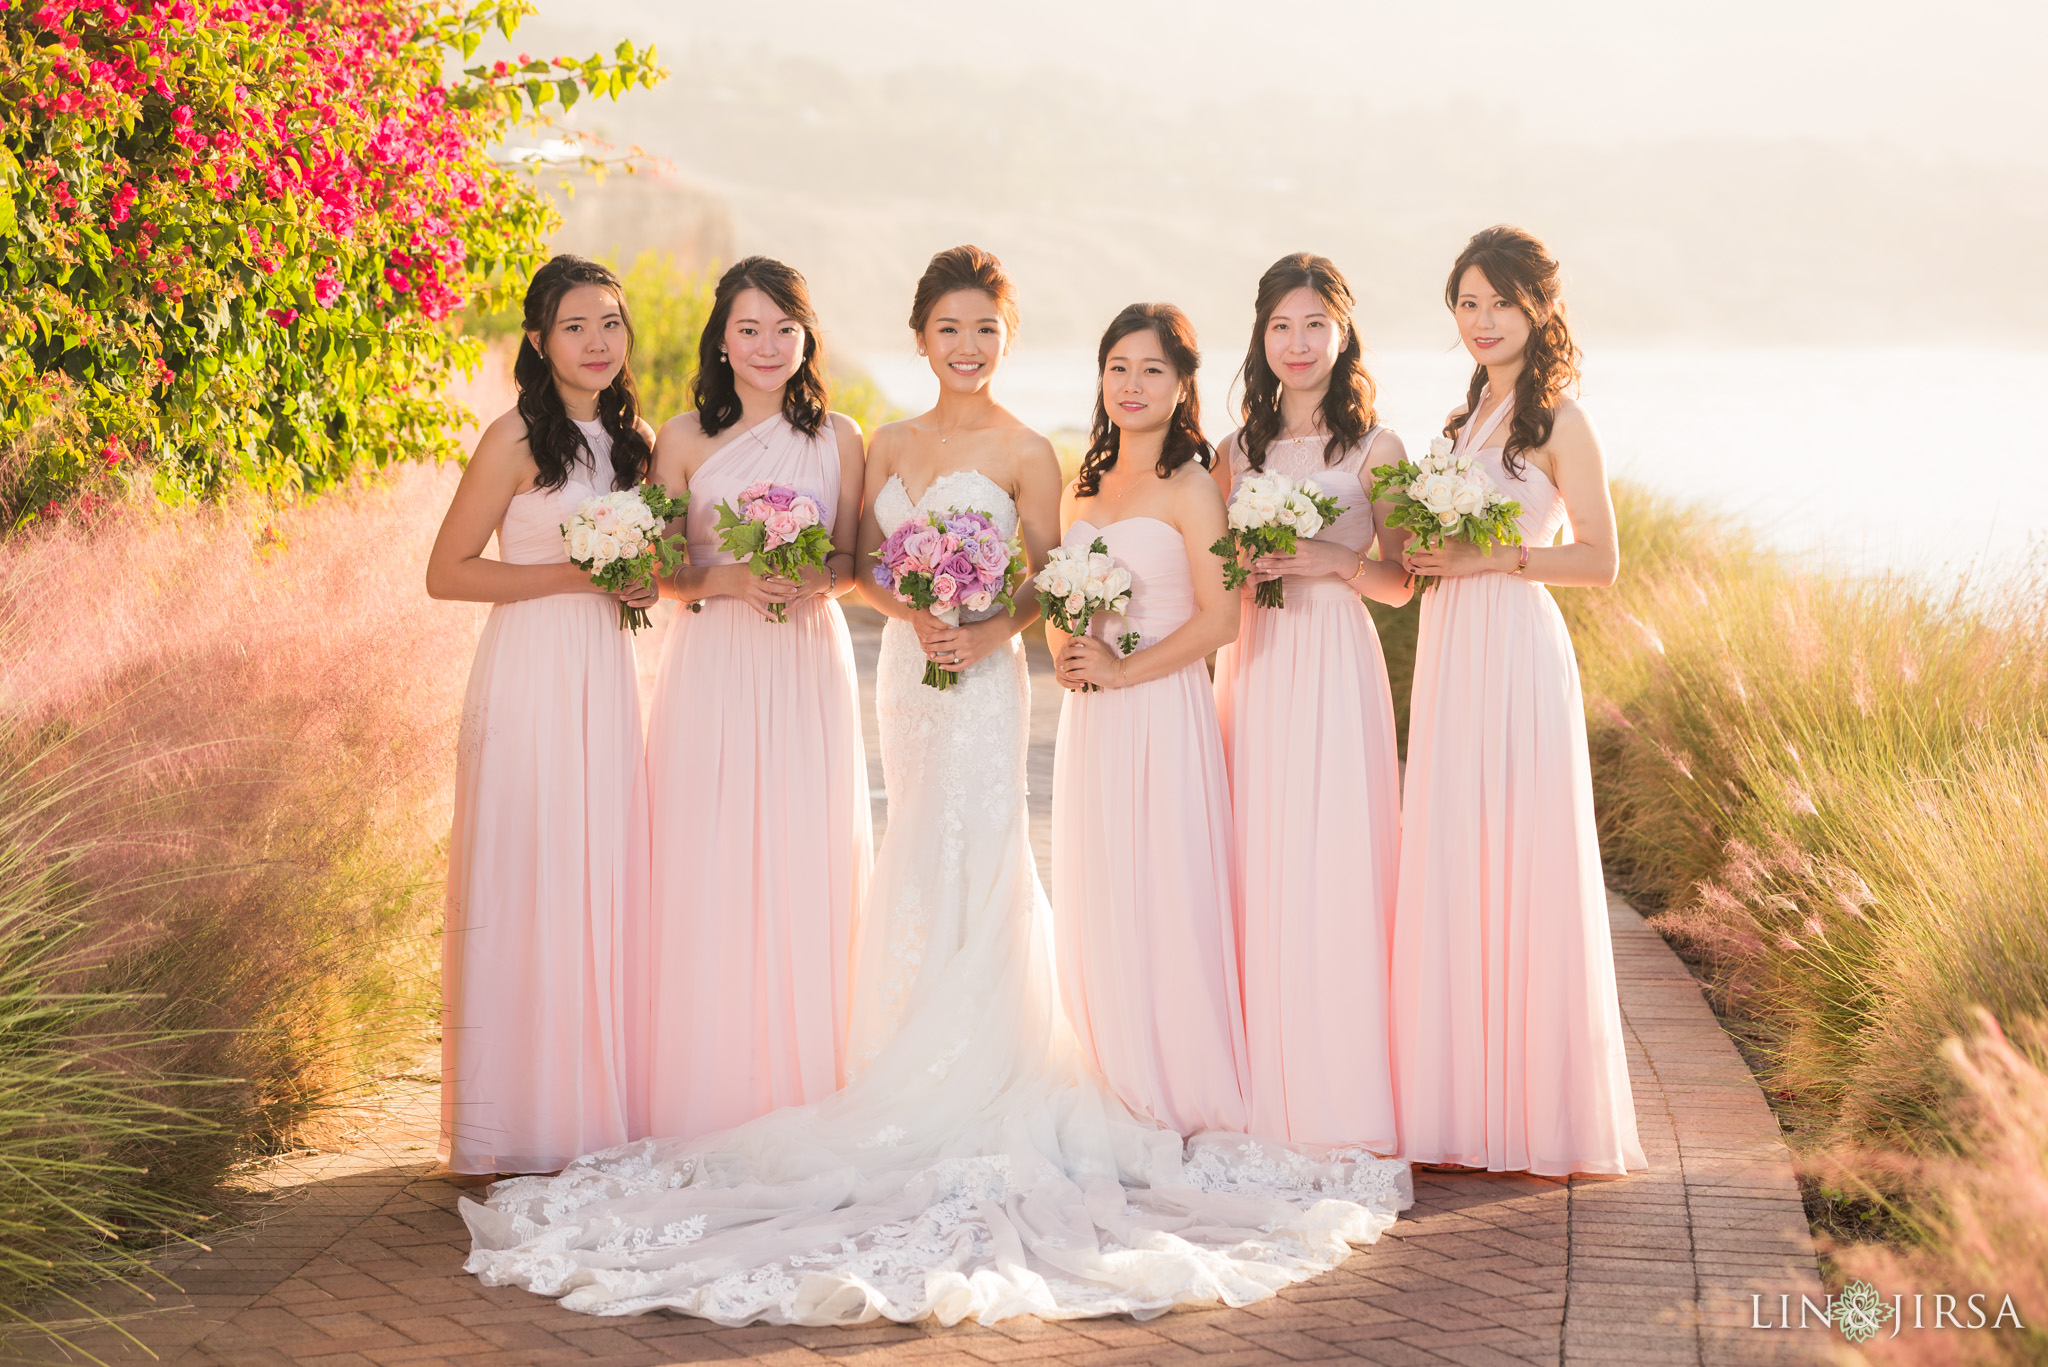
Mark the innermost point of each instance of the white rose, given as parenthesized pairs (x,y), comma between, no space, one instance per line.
(1309,523)
(605,547)
(1076,601)
(1118,579)
(579,542)
(1440,446)
(1469,499)
(979,602)
(1448,518)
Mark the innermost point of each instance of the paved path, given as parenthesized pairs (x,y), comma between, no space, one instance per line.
(354,1258)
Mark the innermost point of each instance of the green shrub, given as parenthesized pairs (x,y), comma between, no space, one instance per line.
(230,234)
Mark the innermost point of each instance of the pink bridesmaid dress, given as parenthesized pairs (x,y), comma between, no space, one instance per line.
(1308,734)
(1141,863)
(547,875)
(1508,1047)
(758,789)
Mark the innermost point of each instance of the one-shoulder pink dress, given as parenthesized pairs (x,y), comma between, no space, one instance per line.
(758,789)
(1308,734)
(1143,930)
(547,865)
(1508,1046)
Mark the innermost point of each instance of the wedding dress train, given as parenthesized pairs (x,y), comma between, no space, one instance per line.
(973,1166)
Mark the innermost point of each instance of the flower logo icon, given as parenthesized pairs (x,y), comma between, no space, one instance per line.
(1859,1311)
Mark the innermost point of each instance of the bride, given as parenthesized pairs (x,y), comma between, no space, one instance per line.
(973,1166)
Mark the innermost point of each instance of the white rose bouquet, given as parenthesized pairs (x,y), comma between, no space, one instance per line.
(1268,513)
(1075,585)
(617,537)
(1447,496)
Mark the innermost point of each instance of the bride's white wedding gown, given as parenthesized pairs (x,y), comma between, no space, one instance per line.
(973,1166)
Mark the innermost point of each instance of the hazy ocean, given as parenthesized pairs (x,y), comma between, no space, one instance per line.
(1920,460)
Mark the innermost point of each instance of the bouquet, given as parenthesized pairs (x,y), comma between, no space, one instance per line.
(1447,495)
(1075,585)
(949,562)
(774,531)
(617,537)
(1267,514)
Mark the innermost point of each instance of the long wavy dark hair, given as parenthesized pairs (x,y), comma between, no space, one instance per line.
(1348,404)
(715,388)
(551,436)
(1522,271)
(1184,439)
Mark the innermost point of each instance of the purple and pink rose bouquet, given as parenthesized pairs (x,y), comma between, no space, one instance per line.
(775,530)
(950,562)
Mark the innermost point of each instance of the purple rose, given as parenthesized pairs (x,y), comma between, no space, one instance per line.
(960,566)
(991,557)
(780,498)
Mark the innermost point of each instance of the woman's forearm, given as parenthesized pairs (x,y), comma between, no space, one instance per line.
(476,579)
(1576,565)
(1195,639)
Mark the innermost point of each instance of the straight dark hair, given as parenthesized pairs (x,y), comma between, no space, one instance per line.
(717,390)
(1348,404)
(1522,271)
(552,437)
(1184,439)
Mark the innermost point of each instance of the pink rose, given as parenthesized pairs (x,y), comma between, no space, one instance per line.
(758,489)
(783,528)
(807,509)
(944,587)
(756,511)
(923,547)
(950,542)
(980,602)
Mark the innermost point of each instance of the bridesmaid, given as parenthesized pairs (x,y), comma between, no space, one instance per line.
(1308,732)
(1140,807)
(756,771)
(1508,1049)
(547,863)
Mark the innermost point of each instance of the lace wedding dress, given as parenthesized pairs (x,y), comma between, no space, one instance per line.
(973,1166)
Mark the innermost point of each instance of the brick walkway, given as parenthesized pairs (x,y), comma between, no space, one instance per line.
(353,1259)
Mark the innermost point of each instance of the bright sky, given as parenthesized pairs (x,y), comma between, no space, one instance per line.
(1944,77)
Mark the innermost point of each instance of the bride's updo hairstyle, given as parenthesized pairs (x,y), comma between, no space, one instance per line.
(1184,439)
(1522,271)
(1348,404)
(551,436)
(963,268)
(715,389)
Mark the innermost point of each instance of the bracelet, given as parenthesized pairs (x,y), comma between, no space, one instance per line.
(1361,566)
(1523,564)
(832,586)
(1120,674)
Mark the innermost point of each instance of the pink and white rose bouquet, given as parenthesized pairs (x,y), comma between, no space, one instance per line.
(775,530)
(1077,584)
(617,537)
(1447,496)
(949,563)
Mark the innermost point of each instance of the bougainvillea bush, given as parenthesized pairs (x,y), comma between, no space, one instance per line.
(233,233)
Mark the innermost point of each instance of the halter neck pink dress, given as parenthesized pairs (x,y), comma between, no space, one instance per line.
(758,790)
(1308,734)
(547,864)
(1142,927)
(1508,1047)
